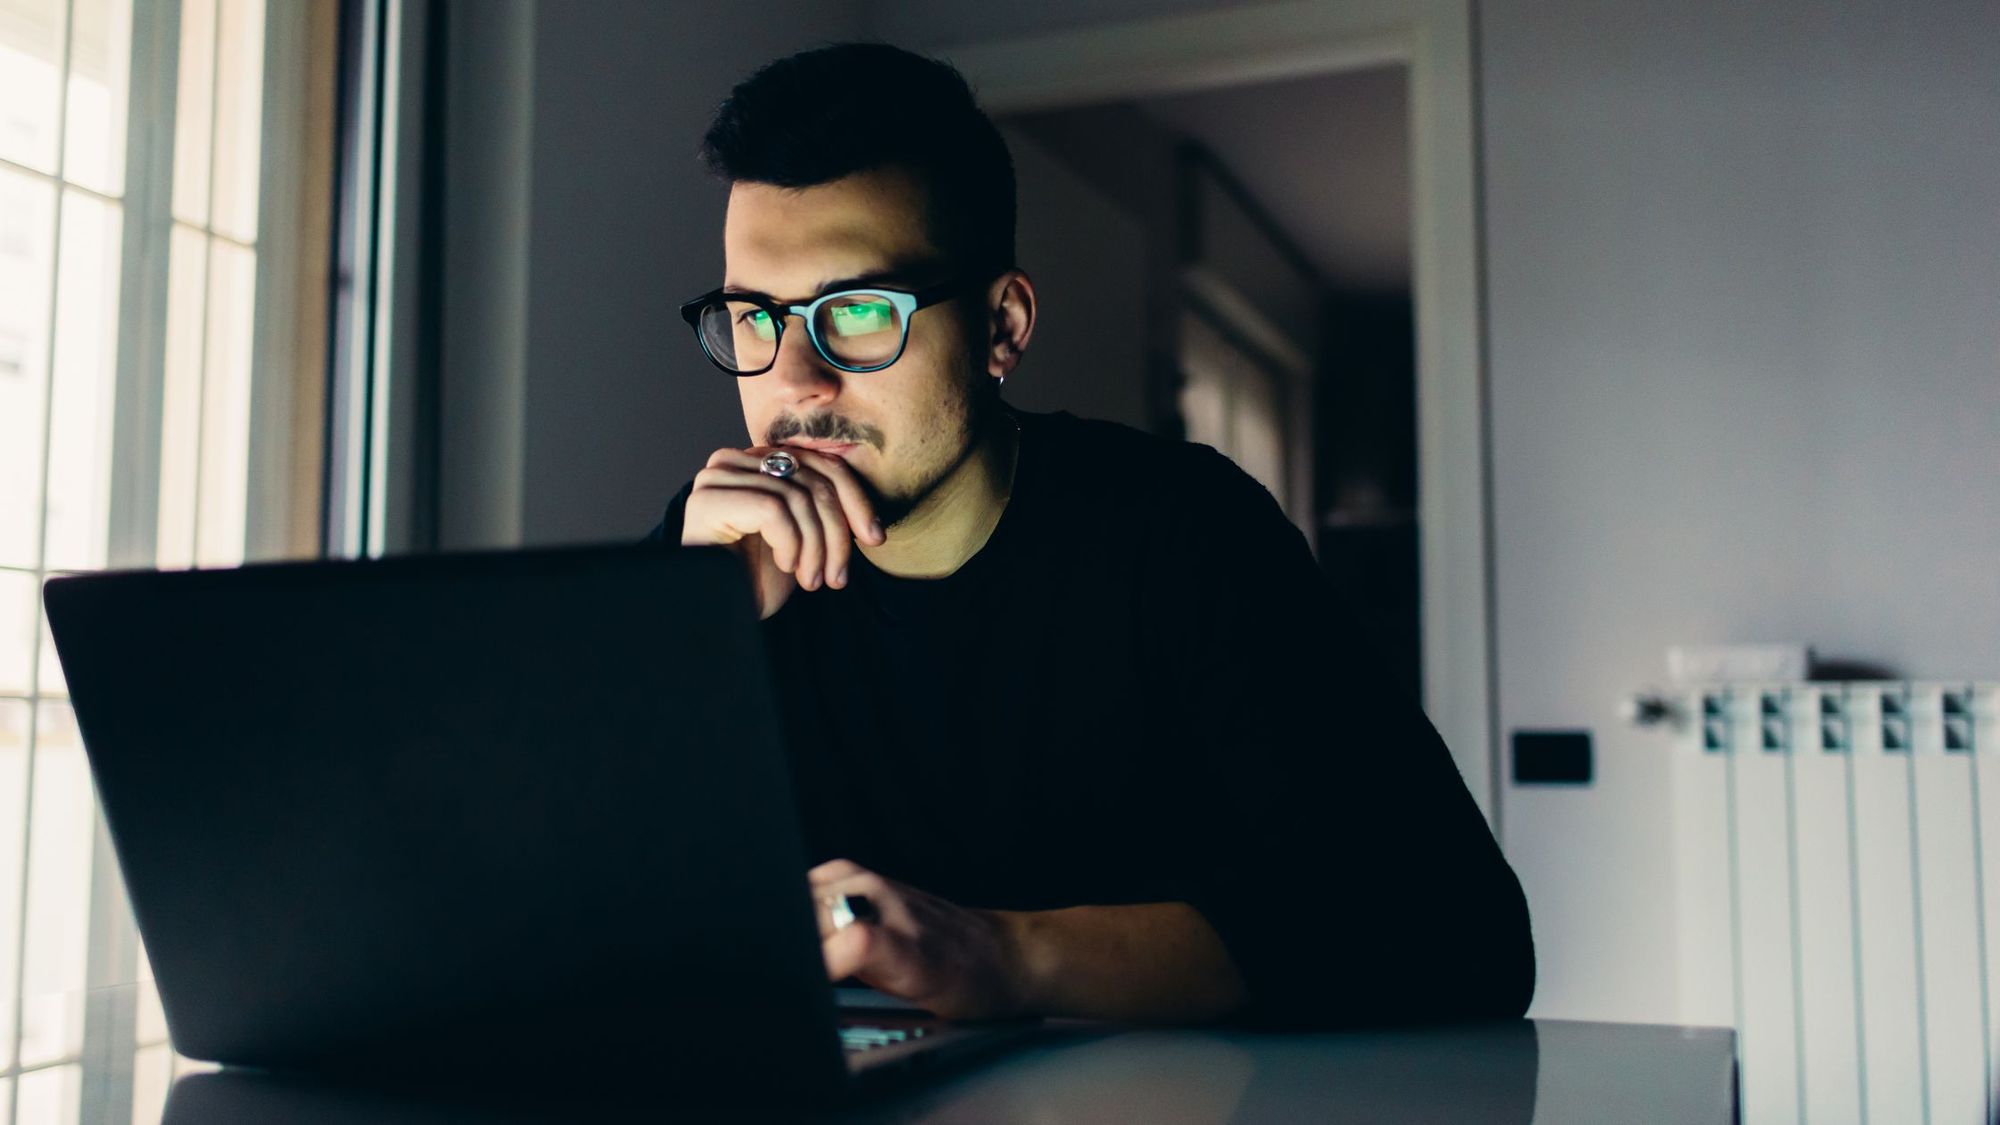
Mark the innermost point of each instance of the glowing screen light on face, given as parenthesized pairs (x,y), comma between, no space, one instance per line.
(761,325)
(861,316)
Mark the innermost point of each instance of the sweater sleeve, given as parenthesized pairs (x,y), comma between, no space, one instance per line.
(668,531)
(1327,836)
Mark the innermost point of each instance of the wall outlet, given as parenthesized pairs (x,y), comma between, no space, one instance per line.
(1552,757)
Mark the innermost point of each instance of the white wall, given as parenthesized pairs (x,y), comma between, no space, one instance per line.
(1087,259)
(1128,158)
(579,216)
(1743,283)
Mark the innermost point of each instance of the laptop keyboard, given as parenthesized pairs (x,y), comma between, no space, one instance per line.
(857,1038)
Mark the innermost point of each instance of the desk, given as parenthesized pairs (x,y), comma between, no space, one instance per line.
(1547,1072)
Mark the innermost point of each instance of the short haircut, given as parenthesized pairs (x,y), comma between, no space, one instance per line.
(833,111)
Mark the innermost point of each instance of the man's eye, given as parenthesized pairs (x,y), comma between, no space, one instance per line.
(862,317)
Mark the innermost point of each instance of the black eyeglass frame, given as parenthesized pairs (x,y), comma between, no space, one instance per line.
(907,303)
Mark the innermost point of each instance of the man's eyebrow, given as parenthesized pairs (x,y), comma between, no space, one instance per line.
(874,277)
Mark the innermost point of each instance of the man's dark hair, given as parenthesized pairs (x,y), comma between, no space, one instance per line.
(830,112)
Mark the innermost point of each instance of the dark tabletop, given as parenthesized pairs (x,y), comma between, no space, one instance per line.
(1545,1071)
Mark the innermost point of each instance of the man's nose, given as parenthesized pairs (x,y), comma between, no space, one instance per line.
(799,368)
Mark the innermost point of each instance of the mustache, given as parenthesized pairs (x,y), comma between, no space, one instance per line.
(820,427)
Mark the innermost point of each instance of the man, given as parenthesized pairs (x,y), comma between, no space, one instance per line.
(1071,706)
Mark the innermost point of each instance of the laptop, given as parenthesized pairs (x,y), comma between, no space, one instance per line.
(465,815)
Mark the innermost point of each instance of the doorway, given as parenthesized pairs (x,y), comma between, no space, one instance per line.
(1171,54)
(1268,226)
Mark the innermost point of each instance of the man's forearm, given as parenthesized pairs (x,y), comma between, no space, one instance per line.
(1150,963)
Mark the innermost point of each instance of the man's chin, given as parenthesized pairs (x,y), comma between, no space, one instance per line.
(890,508)
(893,510)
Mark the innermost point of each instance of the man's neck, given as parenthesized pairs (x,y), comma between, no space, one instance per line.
(951,524)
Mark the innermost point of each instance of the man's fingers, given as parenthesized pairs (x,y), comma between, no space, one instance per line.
(847,951)
(854,502)
(812,556)
(855,507)
(838,537)
(744,510)
(797,517)
(878,890)
(834,869)
(839,912)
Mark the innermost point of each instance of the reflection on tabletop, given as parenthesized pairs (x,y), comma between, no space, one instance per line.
(106,1060)
(1485,1074)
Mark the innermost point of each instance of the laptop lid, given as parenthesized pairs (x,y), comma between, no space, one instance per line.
(484,811)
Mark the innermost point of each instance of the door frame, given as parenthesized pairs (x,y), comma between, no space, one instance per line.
(1434,39)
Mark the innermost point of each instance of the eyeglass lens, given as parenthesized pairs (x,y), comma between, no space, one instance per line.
(859,329)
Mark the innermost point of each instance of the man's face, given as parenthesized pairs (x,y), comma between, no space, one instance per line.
(910,422)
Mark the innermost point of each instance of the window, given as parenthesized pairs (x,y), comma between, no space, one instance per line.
(164,181)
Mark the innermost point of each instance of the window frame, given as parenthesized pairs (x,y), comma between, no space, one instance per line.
(286,431)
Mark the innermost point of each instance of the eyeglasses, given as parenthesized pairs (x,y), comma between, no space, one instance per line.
(854,329)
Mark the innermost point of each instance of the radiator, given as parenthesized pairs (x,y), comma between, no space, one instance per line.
(1838,895)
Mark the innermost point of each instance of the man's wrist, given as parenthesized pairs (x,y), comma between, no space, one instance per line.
(1024,961)
(1147,963)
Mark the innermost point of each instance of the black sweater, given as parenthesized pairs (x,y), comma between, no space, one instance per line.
(1142,689)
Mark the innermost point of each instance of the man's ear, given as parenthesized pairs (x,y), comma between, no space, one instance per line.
(1010,304)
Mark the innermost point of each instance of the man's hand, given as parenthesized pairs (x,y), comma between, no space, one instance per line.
(1156,962)
(955,962)
(793,533)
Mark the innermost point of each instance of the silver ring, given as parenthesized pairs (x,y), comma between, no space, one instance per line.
(839,911)
(780,464)
(845,910)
